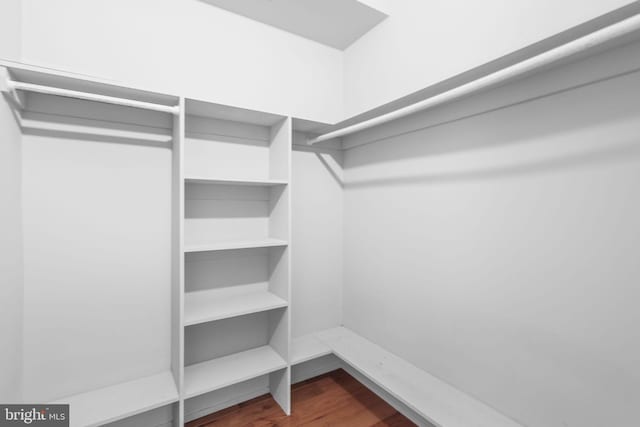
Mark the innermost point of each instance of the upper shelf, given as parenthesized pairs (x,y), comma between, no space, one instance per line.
(63,105)
(84,84)
(199,108)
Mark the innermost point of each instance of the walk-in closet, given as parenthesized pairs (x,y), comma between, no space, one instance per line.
(308,213)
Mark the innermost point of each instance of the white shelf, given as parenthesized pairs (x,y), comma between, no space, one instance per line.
(207,306)
(438,402)
(226,246)
(225,371)
(254,182)
(306,348)
(113,403)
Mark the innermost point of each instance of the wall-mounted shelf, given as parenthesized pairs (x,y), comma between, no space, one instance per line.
(109,404)
(227,181)
(227,246)
(430,397)
(228,370)
(211,305)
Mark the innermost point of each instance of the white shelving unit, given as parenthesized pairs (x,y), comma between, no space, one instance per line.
(236,226)
(226,173)
(109,404)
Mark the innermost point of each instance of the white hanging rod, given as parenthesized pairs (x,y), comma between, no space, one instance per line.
(574,47)
(13,85)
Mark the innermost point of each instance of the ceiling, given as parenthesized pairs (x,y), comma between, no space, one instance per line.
(335,23)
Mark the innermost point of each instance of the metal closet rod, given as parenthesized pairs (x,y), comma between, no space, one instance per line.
(574,47)
(13,85)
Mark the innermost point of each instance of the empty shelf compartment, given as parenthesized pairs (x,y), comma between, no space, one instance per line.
(216,304)
(232,369)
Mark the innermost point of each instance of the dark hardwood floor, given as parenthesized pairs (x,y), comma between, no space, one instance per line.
(333,399)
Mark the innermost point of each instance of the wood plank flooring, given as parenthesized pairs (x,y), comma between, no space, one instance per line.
(333,399)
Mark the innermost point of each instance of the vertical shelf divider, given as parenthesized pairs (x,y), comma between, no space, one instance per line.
(280,260)
(177,261)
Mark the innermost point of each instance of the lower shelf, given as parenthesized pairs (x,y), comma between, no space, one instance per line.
(228,370)
(109,404)
(431,398)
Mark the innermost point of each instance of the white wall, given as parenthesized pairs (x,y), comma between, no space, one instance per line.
(425,42)
(188,47)
(10,30)
(499,252)
(317,259)
(96,215)
(11,294)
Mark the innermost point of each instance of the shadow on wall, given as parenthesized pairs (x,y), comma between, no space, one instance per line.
(92,121)
(622,152)
(603,114)
(330,169)
(327,157)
